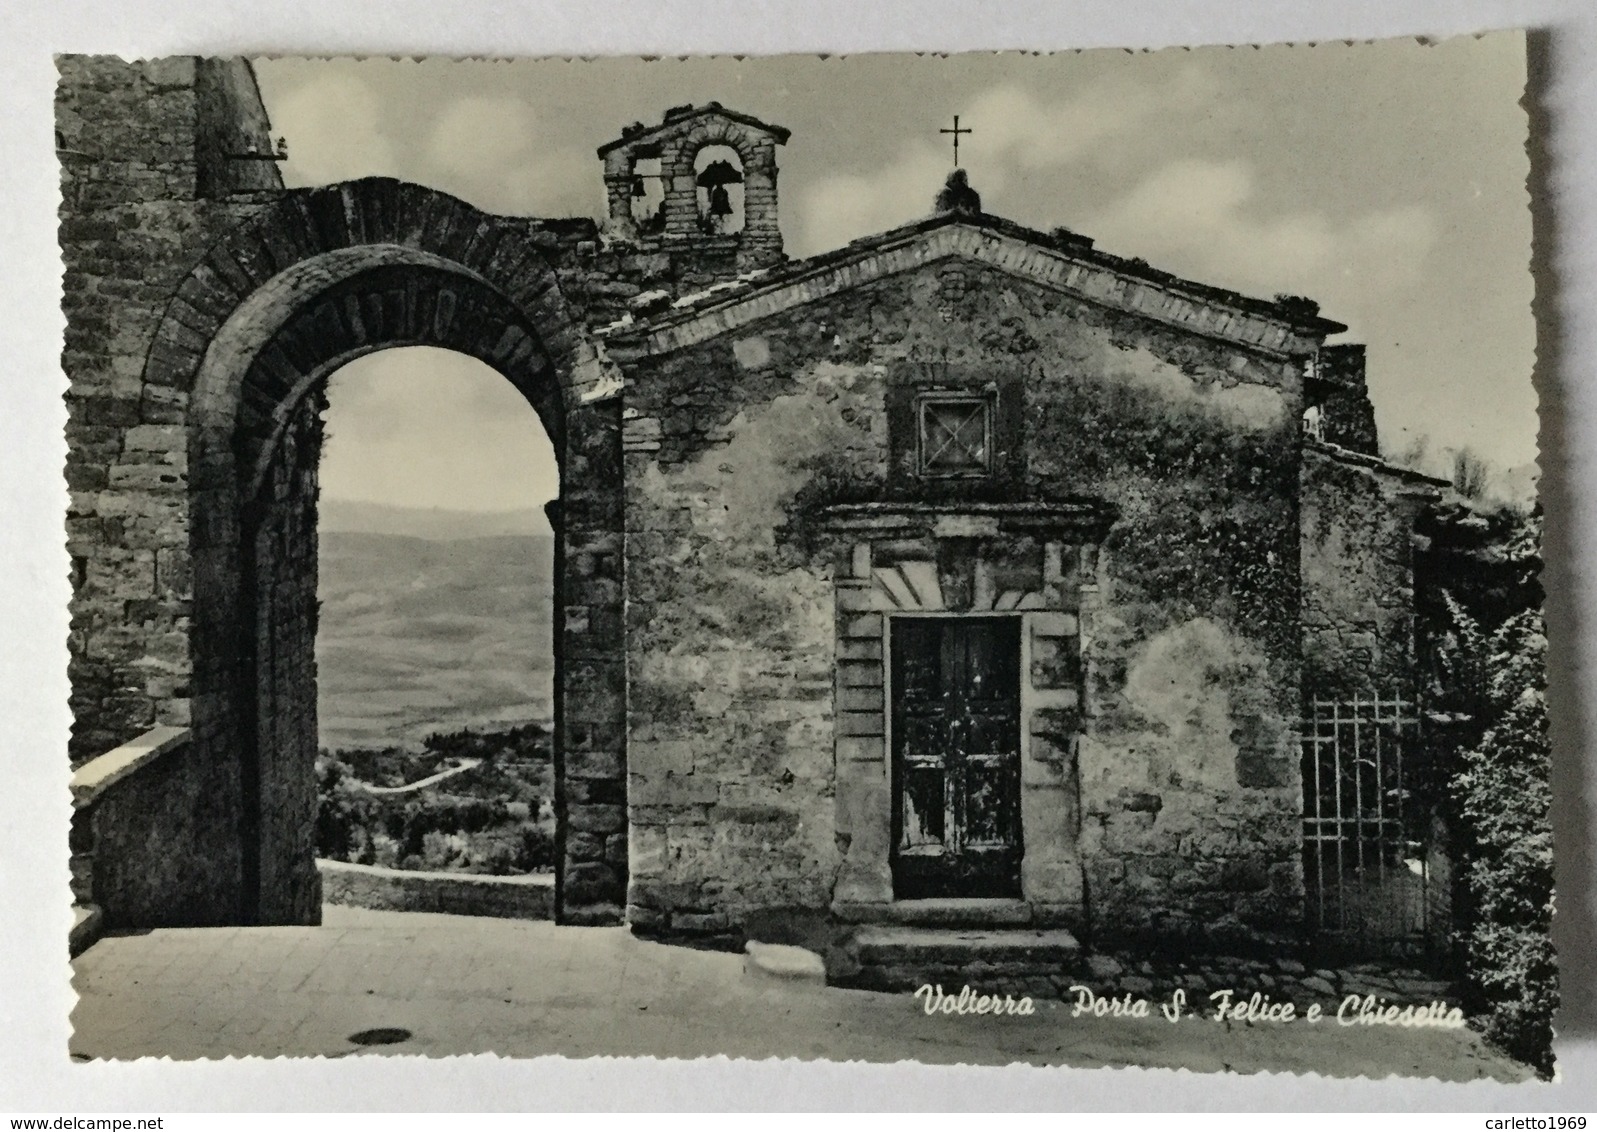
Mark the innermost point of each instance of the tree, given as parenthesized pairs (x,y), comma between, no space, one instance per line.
(1470,474)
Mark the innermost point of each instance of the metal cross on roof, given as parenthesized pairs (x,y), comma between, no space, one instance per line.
(956,131)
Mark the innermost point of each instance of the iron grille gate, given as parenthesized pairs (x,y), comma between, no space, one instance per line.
(1367,858)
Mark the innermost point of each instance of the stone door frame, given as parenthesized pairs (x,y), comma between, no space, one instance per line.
(909,559)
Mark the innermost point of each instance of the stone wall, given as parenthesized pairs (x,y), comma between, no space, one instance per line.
(590,687)
(729,629)
(528,897)
(125,838)
(133,223)
(1358,572)
(232,141)
(1302,980)
(1299,978)
(1186,770)
(280,800)
(1338,387)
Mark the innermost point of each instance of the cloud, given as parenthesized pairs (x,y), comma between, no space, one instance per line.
(422,427)
(488,151)
(1194,218)
(1036,134)
(474,136)
(845,207)
(557,183)
(1014,131)
(334,132)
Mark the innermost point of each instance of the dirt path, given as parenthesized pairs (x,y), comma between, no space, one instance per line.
(423,783)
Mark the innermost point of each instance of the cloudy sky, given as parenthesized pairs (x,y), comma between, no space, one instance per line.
(1385,180)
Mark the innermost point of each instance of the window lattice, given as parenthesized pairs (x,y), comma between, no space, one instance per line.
(956,436)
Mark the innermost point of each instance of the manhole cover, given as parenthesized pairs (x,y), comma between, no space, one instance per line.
(382,1036)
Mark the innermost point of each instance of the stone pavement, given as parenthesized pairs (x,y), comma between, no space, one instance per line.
(522,989)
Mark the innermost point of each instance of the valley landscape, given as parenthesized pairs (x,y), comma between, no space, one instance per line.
(431,621)
(435,685)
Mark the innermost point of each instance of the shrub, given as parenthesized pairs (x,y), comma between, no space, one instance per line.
(537,847)
(1504,800)
(1480,597)
(496,856)
(443,851)
(343,812)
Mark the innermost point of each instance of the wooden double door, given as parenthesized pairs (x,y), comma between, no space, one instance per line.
(955,687)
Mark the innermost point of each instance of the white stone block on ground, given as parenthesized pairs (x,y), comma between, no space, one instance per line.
(783,962)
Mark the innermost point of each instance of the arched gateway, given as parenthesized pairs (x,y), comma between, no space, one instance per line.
(316,280)
(206,306)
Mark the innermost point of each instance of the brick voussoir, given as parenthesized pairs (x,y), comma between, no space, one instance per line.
(324,209)
(208,296)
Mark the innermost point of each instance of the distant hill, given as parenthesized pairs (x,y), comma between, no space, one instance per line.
(349,515)
(430,634)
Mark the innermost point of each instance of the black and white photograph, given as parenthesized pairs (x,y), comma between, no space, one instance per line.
(964,559)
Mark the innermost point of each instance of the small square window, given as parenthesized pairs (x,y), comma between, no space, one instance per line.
(956,436)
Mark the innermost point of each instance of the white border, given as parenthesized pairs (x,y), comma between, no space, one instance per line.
(35,1074)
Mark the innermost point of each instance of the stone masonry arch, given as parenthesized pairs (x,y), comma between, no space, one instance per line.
(675,143)
(756,152)
(315,280)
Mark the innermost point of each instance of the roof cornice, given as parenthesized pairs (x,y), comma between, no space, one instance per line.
(687,117)
(1074,269)
(1375,464)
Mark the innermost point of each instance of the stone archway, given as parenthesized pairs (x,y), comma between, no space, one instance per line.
(319,278)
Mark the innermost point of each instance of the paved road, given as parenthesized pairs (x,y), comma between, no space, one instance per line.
(522,989)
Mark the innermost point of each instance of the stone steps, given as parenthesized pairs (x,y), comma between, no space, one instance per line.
(1013,960)
(946,913)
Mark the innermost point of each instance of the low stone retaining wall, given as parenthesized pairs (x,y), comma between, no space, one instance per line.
(1112,979)
(152,839)
(1049,964)
(1280,979)
(529,897)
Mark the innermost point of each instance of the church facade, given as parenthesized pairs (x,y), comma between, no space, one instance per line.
(967,571)
(970,562)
